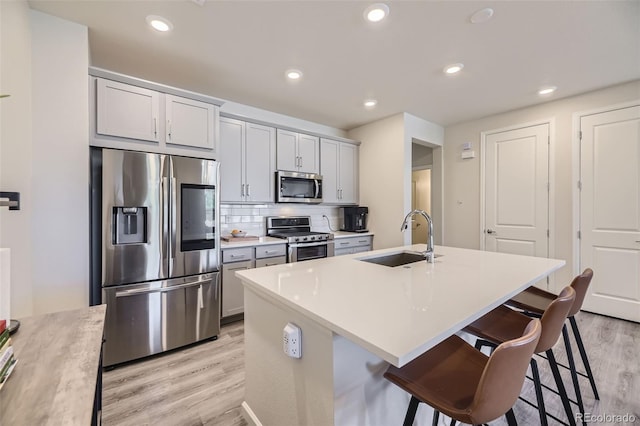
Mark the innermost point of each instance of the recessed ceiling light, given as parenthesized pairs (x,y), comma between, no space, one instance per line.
(370,103)
(294,74)
(453,68)
(376,12)
(159,23)
(482,15)
(547,90)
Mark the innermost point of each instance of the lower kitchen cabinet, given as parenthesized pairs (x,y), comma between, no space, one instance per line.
(352,245)
(239,259)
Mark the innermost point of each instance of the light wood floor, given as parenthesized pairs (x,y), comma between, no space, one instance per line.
(204,384)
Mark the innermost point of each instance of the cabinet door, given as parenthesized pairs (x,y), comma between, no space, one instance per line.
(232,289)
(189,122)
(348,173)
(259,166)
(232,134)
(329,170)
(308,153)
(287,153)
(127,111)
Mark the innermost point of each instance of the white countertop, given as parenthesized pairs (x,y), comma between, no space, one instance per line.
(399,313)
(345,234)
(250,243)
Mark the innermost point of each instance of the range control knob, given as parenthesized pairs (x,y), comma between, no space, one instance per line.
(296,239)
(304,239)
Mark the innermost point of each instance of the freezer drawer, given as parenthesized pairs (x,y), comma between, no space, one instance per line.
(145,319)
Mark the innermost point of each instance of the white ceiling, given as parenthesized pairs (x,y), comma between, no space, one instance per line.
(239,51)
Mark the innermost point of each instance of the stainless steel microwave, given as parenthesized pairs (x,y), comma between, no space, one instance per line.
(294,187)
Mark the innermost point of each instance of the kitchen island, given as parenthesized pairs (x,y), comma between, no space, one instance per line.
(357,318)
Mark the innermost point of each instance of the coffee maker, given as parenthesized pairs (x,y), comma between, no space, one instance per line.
(354,219)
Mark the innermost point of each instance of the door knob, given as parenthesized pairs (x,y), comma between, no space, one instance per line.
(491,231)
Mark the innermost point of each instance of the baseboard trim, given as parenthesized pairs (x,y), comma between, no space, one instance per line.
(249,415)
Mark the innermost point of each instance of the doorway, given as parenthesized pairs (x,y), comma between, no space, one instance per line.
(609,210)
(421,200)
(515,211)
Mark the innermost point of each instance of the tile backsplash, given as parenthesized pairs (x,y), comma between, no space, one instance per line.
(252,218)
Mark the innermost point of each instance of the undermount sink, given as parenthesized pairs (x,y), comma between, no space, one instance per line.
(395,259)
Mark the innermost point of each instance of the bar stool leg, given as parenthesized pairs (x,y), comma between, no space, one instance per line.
(411,411)
(538,387)
(583,355)
(572,368)
(511,418)
(561,390)
(436,416)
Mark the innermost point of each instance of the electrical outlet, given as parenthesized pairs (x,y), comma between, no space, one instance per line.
(292,340)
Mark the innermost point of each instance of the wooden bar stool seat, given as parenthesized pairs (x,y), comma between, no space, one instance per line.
(504,324)
(458,380)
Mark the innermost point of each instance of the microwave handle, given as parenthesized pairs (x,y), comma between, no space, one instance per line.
(317,188)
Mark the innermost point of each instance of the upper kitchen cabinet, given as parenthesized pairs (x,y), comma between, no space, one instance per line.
(339,170)
(130,113)
(298,152)
(247,162)
(189,122)
(127,111)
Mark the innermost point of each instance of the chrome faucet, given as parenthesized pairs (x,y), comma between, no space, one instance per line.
(428,253)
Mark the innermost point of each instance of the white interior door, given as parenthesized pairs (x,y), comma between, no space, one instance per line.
(517,191)
(610,211)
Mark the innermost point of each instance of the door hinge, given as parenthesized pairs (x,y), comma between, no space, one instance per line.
(580,185)
(547,233)
(580,134)
(579,235)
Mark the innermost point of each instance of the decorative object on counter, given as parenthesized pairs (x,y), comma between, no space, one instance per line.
(237,233)
(232,238)
(7,357)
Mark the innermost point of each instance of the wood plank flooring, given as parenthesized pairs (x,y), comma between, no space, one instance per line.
(204,384)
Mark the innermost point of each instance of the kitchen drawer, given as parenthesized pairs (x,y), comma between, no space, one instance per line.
(342,243)
(271,261)
(237,254)
(271,251)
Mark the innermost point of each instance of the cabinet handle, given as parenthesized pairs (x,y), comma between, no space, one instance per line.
(344,244)
(242,190)
(155,127)
(300,161)
(341,194)
(270,251)
(240,268)
(169,124)
(248,190)
(239,256)
(363,241)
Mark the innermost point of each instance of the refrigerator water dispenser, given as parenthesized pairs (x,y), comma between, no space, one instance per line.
(130,225)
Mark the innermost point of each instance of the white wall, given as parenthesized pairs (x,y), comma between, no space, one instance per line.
(385,173)
(382,178)
(60,171)
(462,185)
(15,148)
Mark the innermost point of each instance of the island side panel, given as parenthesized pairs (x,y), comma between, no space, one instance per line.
(362,395)
(280,390)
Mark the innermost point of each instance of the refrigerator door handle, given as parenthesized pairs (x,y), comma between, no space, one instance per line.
(126,293)
(164,209)
(173,224)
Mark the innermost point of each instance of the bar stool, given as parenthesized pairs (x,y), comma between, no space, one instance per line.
(534,302)
(503,324)
(460,381)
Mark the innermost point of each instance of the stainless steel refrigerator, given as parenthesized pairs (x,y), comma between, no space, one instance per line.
(155,250)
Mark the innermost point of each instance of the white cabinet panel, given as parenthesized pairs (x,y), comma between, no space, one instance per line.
(127,111)
(231,141)
(189,122)
(259,167)
(232,289)
(339,169)
(298,152)
(247,162)
(351,245)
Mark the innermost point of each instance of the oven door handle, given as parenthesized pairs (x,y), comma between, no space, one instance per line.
(319,243)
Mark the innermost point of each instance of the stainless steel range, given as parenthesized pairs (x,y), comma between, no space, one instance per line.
(302,243)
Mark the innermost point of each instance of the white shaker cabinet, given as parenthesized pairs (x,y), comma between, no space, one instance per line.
(247,162)
(298,152)
(352,245)
(127,111)
(189,122)
(339,169)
